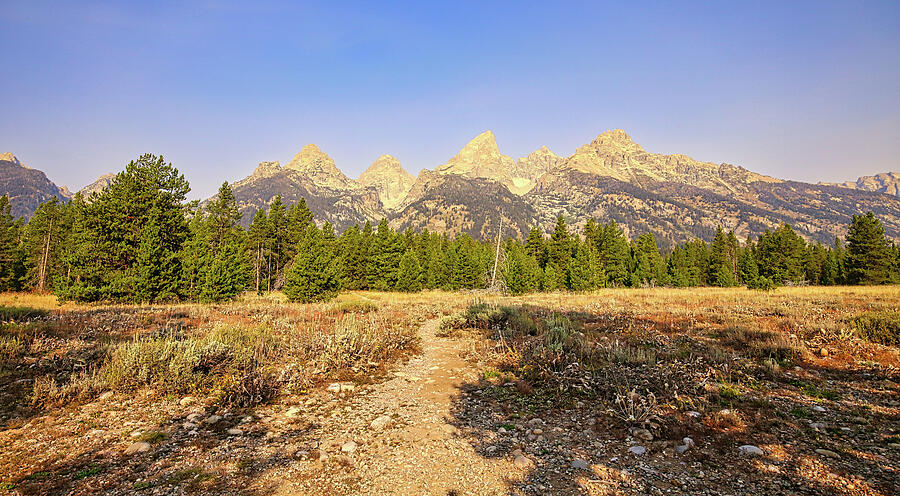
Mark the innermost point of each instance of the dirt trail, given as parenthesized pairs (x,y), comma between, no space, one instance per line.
(420,451)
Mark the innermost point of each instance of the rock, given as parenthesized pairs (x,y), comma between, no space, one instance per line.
(818,408)
(380,423)
(105,396)
(637,450)
(895,446)
(235,432)
(523,462)
(537,432)
(823,352)
(292,412)
(187,400)
(642,434)
(827,453)
(580,464)
(750,450)
(688,442)
(138,447)
(212,420)
(817,426)
(682,449)
(501,430)
(694,414)
(349,447)
(188,426)
(194,417)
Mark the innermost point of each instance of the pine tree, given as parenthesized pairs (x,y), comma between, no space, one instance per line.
(259,246)
(536,246)
(143,205)
(613,251)
(11,266)
(581,271)
(648,268)
(780,254)
(521,273)
(43,241)
(869,256)
(312,276)
(722,260)
(409,278)
(559,249)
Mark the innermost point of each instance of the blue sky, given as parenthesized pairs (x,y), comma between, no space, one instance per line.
(800,90)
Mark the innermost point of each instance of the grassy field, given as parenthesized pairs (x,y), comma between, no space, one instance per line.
(789,371)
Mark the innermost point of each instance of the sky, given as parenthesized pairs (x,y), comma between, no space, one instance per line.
(798,90)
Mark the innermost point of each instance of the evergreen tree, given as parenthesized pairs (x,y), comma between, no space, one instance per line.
(312,276)
(259,246)
(614,254)
(648,268)
(559,249)
(137,220)
(869,255)
(582,269)
(521,273)
(11,266)
(722,260)
(409,278)
(43,242)
(780,255)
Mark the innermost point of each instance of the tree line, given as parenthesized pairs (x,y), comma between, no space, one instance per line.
(139,240)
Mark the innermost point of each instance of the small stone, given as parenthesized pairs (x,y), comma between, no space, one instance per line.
(817,426)
(139,447)
(235,432)
(349,447)
(501,430)
(818,408)
(895,446)
(637,450)
(188,426)
(523,462)
(694,414)
(681,449)
(688,442)
(212,420)
(292,412)
(105,396)
(827,453)
(750,450)
(537,432)
(642,434)
(580,464)
(380,423)
(194,417)
(823,352)
(187,400)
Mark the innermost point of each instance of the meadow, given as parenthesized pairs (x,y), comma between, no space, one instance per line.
(727,390)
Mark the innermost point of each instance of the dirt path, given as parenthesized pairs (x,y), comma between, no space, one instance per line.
(418,452)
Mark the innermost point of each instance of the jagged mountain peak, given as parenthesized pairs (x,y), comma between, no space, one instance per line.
(616,139)
(384,163)
(319,167)
(265,168)
(9,157)
(480,157)
(392,181)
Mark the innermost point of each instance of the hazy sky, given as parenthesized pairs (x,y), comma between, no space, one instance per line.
(800,90)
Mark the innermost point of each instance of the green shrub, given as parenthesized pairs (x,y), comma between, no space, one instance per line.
(879,327)
(761,284)
(355,306)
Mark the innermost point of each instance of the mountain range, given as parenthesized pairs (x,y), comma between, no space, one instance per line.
(610,178)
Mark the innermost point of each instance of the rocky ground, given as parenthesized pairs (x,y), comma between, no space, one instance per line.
(439,423)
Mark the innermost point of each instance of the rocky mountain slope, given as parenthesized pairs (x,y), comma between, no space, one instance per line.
(98,185)
(611,178)
(390,179)
(27,188)
(886,182)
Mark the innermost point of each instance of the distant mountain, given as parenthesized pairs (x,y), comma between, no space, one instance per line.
(311,175)
(98,185)
(611,178)
(390,179)
(27,188)
(886,182)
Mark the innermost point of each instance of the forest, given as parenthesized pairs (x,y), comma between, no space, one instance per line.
(140,240)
